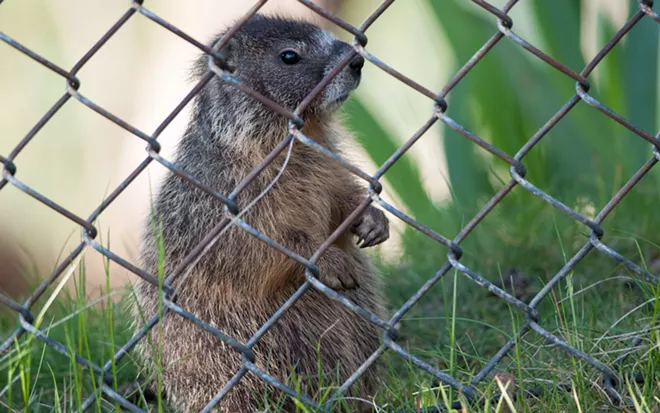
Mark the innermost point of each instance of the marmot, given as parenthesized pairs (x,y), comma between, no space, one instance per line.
(242,281)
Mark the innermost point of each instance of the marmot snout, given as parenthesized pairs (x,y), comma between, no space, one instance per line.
(241,281)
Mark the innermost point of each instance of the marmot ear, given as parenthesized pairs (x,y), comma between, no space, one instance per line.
(201,65)
(227,51)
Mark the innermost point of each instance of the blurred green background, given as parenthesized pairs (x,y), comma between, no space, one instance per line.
(507,97)
(442,181)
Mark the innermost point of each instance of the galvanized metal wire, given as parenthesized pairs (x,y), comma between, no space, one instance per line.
(441,112)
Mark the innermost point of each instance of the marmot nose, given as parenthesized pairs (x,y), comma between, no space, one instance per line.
(357,63)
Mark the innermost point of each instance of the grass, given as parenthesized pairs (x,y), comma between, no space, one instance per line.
(457,327)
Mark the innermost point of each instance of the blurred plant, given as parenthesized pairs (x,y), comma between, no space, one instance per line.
(510,94)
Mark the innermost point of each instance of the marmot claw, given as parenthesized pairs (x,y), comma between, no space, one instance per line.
(372,228)
(335,270)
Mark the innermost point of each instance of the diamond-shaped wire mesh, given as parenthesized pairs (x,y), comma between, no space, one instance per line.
(441,112)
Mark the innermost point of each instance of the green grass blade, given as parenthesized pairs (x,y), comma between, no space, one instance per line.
(508,96)
(640,63)
(559,24)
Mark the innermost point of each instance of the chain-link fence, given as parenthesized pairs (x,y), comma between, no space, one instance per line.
(11,165)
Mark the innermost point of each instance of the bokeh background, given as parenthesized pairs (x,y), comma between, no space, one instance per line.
(598,307)
(140,76)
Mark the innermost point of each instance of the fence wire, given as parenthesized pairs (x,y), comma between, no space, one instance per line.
(612,380)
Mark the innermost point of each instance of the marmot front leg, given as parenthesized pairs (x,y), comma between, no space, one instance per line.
(335,267)
(335,270)
(372,227)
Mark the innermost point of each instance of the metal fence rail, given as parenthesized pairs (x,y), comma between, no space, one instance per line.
(441,112)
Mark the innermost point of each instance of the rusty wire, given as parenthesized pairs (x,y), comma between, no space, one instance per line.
(440,112)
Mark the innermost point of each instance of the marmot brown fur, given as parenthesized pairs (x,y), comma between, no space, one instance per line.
(242,281)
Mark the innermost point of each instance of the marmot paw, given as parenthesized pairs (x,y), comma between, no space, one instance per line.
(335,271)
(372,228)
(338,281)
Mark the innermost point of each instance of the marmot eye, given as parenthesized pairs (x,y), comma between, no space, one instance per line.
(289,57)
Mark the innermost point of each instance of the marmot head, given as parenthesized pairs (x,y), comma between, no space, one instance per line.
(284,59)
